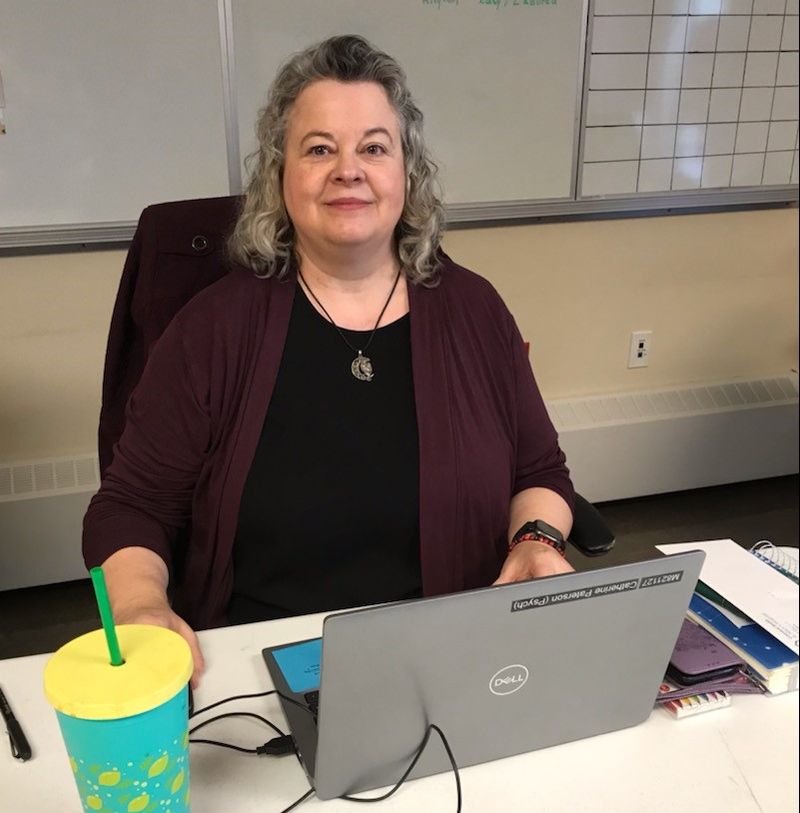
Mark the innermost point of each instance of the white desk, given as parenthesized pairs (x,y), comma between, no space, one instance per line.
(738,760)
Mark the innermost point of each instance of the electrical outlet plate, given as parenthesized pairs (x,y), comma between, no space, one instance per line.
(640,347)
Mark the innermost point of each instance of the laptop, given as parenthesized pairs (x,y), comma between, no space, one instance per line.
(501,670)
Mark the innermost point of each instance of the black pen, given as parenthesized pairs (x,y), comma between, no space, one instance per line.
(20,749)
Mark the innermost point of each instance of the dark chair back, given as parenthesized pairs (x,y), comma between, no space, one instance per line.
(178,249)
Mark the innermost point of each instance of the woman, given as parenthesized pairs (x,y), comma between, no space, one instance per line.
(349,417)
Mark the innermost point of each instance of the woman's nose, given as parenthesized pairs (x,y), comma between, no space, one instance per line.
(348,169)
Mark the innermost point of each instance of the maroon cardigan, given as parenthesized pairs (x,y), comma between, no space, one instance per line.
(193,423)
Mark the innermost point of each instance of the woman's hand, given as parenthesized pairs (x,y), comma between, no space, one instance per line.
(137,586)
(160,614)
(531,560)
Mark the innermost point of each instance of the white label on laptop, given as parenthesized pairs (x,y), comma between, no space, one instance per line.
(596,591)
(300,664)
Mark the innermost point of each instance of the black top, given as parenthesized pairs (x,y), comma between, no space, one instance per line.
(329,517)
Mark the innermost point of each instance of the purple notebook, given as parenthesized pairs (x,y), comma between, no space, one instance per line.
(698,655)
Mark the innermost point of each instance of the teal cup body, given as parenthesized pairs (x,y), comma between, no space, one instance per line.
(137,764)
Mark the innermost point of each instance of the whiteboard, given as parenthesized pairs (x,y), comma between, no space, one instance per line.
(498,82)
(110,105)
(690,95)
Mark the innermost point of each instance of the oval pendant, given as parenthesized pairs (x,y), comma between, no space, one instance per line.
(361,368)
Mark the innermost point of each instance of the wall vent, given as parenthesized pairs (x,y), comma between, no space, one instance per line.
(636,443)
(49,477)
(606,410)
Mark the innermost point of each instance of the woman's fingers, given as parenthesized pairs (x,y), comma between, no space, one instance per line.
(194,644)
(532,560)
(165,617)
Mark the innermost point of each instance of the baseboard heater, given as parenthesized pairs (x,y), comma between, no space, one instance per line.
(618,446)
(637,443)
(42,503)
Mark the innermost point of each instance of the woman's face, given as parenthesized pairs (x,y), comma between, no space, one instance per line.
(344,176)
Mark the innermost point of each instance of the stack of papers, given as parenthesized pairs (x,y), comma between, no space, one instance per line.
(755,612)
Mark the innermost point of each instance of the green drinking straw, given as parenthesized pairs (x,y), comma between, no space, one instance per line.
(103,604)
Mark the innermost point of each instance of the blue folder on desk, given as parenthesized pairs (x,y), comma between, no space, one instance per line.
(752,638)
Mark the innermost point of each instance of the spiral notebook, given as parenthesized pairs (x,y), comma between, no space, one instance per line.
(782,559)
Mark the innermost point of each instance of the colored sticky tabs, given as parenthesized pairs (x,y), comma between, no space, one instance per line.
(698,703)
(300,664)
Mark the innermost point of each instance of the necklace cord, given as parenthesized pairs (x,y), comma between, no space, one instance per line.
(338,329)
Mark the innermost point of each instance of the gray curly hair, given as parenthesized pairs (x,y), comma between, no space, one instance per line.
(263,238)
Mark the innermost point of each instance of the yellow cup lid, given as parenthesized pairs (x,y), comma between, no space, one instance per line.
(80,681)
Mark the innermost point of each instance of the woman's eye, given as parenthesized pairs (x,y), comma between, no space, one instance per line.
(318,149)
(376,149)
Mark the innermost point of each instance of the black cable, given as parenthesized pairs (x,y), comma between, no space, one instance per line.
(247,697)
(277,746)
(410,768)
(238,714)
(229,700)
(453,764)
(230,745)
(295,702)
(262,749)
(417,755)
(299,801)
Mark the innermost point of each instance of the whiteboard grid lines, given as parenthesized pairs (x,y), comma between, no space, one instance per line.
(741,90)
(794,154)
(678,118)
(772,103)
(691,155)
(646,78)
(741,96)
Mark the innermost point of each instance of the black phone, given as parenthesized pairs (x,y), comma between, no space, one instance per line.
(689,679)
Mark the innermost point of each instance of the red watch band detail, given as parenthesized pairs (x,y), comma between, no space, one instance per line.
(531,537)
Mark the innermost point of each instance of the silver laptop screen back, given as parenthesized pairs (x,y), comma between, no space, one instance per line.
(502,670)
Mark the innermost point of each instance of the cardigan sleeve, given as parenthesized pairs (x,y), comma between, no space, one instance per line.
(540,462)
(145,496)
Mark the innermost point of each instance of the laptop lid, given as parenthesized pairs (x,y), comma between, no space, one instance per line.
(501,670)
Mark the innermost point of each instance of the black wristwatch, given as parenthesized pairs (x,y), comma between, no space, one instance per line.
(539,531)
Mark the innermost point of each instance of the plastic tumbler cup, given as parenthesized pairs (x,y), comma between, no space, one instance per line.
(125,727)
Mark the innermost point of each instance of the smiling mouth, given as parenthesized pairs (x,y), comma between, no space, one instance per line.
(347,204)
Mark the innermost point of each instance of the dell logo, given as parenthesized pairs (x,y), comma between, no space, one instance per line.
(509,679)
